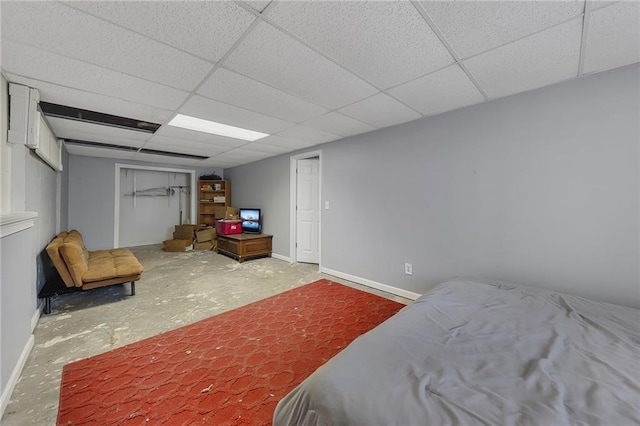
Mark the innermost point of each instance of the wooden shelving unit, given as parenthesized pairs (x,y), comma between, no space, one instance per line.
(212,194)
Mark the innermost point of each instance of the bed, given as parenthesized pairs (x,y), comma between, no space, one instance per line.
(473,352)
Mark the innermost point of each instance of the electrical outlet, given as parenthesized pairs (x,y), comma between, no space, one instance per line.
(408,269)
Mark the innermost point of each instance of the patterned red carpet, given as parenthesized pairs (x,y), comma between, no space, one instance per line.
(230,369)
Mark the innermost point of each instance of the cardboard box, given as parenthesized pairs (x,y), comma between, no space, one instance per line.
(205,234)
(206,245)
(227,227)
(178,245)
(184,232)
(226,213)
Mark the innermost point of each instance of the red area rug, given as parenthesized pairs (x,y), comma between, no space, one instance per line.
(230,369)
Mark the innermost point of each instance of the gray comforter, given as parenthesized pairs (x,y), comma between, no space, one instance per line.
(471,353)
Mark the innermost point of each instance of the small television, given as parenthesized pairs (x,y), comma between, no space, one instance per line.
(251,220)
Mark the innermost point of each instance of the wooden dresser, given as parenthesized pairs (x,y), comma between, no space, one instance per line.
(244,246)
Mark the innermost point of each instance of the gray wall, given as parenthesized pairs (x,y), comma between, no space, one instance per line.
(41,198)
(91,195)
(33,188)
(64,194)
(540,188)
(265,185)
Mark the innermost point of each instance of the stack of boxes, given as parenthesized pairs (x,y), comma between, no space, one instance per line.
(189,237)
(205,238)
(202,237)
(182,238)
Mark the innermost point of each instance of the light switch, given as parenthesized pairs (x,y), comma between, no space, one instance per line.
(326,205)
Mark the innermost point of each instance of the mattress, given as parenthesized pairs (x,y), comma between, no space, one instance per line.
(472,352)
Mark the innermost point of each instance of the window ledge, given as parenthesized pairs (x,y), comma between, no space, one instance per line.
(12,223)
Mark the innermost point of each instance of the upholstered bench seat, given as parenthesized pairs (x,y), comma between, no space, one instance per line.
(81,269)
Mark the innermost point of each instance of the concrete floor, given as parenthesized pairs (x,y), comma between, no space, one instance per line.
(176,289)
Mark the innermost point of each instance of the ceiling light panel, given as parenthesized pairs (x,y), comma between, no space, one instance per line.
(206,126)
(338,124)
(365,37)
(270,56)
(208,109)
(538,60)
(613,39)
(440,91)
(473,27)
(60,29)
(49,67)
(380,111)
(184,25)
(232,88)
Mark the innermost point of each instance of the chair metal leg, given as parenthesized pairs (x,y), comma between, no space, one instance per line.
(47,305)
(133,288)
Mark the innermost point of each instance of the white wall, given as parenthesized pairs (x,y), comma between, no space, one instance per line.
(540,188)
(91,197)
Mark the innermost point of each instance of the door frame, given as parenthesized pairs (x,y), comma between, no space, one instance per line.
(293,197)
(116,203)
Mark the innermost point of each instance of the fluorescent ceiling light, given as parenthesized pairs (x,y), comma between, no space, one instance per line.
(206,126)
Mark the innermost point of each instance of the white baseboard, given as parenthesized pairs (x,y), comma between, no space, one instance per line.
(15,375)
(281,257)
(373,284)
(36,315)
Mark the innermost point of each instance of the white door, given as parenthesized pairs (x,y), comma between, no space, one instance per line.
(308,211)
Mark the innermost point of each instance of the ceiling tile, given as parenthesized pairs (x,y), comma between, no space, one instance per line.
(198,137)
(218,163)
(380,111)
(538,60)
(165,159)
(472,27)
(208,109)
(613,39)
(440,91)
(164,143)
(242,155)
(40,65)
(184,25)
(308,134)
(232,88)
(61,95)
(366,37)
(98,152)
(258,5)
(71,129)
(289,143)
(270,56)
(60,29)
(338,124)
(260,146)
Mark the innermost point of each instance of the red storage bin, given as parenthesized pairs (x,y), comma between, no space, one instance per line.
(226,227)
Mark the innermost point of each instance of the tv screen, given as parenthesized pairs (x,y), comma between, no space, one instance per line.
(251,220)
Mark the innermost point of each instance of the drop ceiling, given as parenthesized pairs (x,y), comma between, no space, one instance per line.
(305,72)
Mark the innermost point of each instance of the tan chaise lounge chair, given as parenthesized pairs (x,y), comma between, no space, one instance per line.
(80,269)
